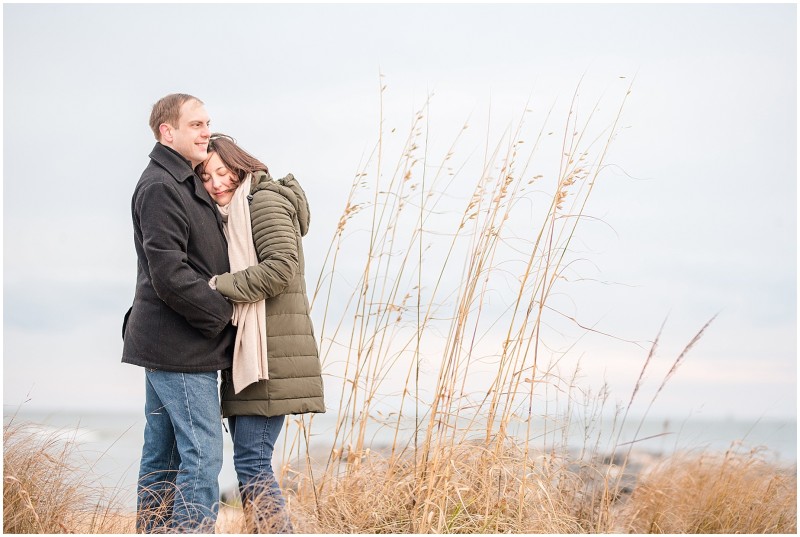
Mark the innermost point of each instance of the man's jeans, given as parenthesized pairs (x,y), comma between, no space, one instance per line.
(254,439)
(182,454)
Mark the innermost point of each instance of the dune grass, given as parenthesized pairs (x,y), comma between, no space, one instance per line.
(453,316)
(44,492)
(442,323)
(739,491)
(730,492)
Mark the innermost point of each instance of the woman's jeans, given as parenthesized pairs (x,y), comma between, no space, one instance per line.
(178,486)
(254,439)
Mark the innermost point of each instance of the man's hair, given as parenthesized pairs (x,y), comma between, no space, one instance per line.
(168,110)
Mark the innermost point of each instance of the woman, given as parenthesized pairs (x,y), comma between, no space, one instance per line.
(276,368)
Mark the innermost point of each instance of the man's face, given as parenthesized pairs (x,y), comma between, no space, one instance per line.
(190,136)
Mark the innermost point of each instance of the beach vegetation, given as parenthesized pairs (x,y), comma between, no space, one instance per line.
(445,325)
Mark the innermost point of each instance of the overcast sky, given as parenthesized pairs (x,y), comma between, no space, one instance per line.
(704,217)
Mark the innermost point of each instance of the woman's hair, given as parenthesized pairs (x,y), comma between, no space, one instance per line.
(234,157)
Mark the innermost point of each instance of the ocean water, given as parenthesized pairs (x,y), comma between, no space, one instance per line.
(109,445)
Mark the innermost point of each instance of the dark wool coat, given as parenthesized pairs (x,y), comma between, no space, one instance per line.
(280,216)
(177,322)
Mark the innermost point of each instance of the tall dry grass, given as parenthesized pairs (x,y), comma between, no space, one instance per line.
(421,309)
(444,337)
(731,492)
(44,491)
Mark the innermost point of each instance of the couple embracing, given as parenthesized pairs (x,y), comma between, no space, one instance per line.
(220,287)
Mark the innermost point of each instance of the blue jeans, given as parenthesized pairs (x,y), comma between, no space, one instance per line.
(178,485)
(254,439)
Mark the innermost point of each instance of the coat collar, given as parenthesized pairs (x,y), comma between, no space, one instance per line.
(180,169)
(172,161)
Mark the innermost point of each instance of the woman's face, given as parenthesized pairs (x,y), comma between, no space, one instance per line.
(218,180)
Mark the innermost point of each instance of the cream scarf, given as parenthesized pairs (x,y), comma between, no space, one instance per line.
(250,349)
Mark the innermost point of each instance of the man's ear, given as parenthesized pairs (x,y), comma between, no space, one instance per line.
(166,132)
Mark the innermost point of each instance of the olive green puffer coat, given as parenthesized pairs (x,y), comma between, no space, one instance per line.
(280,216)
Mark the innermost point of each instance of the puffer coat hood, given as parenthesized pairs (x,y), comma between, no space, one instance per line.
(289,188)
(280,217)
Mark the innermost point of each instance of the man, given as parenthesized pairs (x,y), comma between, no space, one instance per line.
(178,328)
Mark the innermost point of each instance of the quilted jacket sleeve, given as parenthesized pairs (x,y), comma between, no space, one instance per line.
(273,219)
